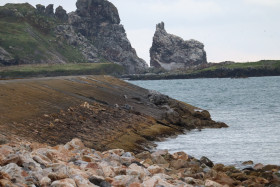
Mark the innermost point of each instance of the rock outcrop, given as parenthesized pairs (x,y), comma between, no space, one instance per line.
(171,52)
(92,33)
(99,22)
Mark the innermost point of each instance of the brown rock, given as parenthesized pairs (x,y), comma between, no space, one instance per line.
(144,155)
(180,155)
(45,181)
(250,162)
(177,164)
(222,178)
(75,144)
(154,169)
(64,183)
(258,166)
(209,183)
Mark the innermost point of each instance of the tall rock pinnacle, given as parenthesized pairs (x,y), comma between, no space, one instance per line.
(171,52)
(99,21)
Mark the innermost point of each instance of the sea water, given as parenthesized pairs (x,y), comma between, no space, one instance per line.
(251,108)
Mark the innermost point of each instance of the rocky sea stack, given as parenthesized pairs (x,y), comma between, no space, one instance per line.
(171,52)
(92,33)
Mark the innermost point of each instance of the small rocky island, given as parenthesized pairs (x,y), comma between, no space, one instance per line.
(171,52)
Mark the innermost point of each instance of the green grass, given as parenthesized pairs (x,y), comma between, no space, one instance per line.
(60,70)
(30,38)
(263,64)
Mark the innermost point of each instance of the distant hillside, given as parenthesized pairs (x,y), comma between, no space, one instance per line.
(40,35)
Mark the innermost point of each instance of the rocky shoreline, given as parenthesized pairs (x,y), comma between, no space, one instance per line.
(25,164)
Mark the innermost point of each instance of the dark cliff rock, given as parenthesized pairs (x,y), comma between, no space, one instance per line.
(99,21)
(171,52)
(49,10)
(61,14)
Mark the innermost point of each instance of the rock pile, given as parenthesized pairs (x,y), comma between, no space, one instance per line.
(74,165)
(171,52)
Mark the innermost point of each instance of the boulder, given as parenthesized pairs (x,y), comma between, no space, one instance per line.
(64,183)
(206,161)
(171,52)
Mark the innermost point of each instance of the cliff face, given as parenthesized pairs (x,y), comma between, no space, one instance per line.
(99,21)
(92,33)
(171,52)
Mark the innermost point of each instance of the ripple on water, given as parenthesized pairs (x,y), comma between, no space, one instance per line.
(251,107)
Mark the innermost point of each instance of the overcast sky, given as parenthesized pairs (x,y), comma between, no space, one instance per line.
(239,30)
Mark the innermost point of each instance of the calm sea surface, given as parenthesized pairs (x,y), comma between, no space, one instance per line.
(251,107)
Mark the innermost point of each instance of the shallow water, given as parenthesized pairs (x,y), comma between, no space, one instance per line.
(251,107)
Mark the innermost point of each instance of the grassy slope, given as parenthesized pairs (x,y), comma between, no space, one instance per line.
(60,70)
(30,36)
(263,64)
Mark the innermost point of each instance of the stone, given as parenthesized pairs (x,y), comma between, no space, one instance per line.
(82,182)
(206,161)
(14,171)
(75,144)
(180,155)
(258,166)
(49,11)
(139,171)
(154,169)
(209,183)
(61,14)
(99,22)
(178,164)
(45,181)
(40,8)
(250,162)
(171,52)
(125,180)
(64,183)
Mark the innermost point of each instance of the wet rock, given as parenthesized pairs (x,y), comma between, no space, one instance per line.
(206,161)
(171,52)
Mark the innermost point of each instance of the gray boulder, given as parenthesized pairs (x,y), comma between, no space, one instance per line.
(171,52)
(99,22)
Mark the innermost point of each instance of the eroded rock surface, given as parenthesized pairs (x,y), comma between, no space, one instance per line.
(171,52)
